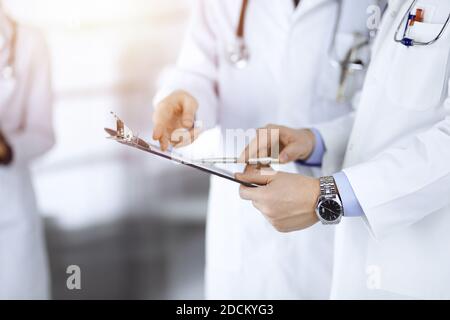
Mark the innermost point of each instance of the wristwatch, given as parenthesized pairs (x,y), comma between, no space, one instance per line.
(329,207)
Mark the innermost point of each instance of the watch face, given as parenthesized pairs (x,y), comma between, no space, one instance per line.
(330,210)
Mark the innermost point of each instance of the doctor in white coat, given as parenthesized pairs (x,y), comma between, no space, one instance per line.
(25,133)
(393,238)
(288,79)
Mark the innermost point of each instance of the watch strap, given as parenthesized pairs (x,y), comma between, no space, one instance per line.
(328,187)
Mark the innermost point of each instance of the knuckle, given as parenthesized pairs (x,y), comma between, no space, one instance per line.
(179,93)
(272,126)
(276,224)
(280,227)
(283,230)
(267,211)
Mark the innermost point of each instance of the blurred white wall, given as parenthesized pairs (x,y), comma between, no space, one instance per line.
(106,55)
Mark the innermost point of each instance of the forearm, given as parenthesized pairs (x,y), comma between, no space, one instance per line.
(29,144)
(330,144)
(196,68)
(33,135)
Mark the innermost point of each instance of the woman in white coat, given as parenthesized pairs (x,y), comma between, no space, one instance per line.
(25,133)
(394,241)
(288,79)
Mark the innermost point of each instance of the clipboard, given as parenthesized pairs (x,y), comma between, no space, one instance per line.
(125,136)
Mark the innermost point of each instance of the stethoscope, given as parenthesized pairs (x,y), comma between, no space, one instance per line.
(238,53)
(7,73)
(410,19)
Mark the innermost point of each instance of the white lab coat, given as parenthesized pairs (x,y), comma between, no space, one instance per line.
(25,120)
(288,81)
(398,163)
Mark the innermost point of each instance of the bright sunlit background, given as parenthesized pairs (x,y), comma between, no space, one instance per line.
(105,207)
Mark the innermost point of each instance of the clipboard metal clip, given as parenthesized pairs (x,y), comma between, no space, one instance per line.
(125,135)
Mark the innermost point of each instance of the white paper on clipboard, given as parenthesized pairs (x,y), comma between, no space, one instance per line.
(125,136)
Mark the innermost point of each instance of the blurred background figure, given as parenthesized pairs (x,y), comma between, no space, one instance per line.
(99,200)
(25,133)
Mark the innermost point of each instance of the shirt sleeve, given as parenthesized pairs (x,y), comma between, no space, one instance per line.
(196,69)
(35,135)
(315,159)
(352,207)
(335,135)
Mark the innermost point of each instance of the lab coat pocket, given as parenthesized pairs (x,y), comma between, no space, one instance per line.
(418,74)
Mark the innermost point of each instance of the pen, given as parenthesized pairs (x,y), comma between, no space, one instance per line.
(253,161)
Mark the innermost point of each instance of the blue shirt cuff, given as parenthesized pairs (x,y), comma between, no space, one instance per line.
(352,207)
(316,157)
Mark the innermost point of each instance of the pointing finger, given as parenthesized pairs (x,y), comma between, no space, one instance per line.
(164,141)
(158,132)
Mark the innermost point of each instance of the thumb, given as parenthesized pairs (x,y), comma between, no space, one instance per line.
(290,153)
(190,107)
(258,178)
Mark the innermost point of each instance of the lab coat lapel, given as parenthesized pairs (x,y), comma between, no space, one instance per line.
(390,18)
(286,14)
(281,12)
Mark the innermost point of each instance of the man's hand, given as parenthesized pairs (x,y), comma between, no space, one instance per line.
(293,144)
(174,119)
(288,201)
(5,151)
